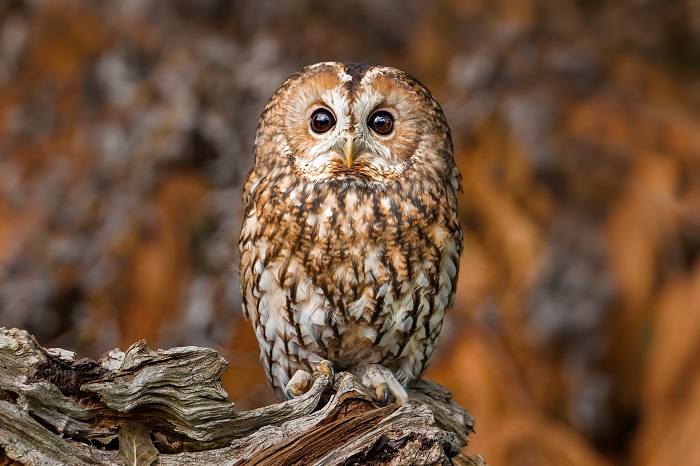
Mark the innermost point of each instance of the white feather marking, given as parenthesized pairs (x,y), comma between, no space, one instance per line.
(303,291)
(400,312)
(344,77)
(370,333)
(267,280)
(421,281)
(407,323)
(318,315)
(451,269)
(258,267)
(377,70)
(371,262)
(270,326)
(436,318)
(365,102)
(251,225)
(351,201)
(382,291)
(279,374)
(357,308)
(324,63)
(385,202)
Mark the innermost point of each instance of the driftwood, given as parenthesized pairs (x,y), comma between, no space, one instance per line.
(168,407)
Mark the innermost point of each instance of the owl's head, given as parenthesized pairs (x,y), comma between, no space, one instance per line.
(356,123)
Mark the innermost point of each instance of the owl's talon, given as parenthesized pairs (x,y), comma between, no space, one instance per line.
(299,384)
(383,393)
(326,367)
(383,381)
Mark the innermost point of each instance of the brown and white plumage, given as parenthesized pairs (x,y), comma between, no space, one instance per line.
(350,242)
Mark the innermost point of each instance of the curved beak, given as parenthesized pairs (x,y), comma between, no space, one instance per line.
(349,150)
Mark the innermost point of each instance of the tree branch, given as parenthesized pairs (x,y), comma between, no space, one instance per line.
(137,406)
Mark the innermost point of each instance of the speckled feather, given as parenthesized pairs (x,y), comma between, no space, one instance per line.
(355,265)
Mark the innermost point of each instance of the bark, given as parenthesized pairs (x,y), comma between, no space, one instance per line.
(168,407)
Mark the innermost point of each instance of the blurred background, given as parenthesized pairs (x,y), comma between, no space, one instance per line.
(126,131)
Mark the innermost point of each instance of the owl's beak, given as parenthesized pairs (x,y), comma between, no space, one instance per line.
(348,150)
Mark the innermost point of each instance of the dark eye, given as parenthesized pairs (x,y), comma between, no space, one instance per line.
(322,120)
(381,122)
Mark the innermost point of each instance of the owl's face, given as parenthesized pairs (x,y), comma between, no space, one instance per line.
(351,122)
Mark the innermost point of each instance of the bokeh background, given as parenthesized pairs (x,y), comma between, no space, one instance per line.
(126,131)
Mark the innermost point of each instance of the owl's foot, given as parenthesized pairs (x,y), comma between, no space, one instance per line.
(301,381)
(326,367)
(299,384)
(383,382)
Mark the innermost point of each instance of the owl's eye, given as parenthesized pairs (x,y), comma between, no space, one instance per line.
(381,122)
(322,120)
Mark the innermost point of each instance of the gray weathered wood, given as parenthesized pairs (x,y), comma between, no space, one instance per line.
(58,410)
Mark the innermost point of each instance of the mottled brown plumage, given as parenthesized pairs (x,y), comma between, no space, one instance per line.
(350,243)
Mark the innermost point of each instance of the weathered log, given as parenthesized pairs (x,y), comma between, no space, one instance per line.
(168,406)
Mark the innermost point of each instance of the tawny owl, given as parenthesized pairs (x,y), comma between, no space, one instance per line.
(350,243)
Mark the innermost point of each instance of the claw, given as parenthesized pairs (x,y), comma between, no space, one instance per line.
(383,393)
(298,384)
(384,383)
(326,367)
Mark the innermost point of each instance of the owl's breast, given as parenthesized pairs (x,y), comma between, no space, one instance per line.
(352,274)
(353,242)
(366,249)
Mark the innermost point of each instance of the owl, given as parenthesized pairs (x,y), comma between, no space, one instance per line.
(350,244)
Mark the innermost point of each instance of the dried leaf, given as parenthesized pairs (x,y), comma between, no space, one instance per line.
(135,446)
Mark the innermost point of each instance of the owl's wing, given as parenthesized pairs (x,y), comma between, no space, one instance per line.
(245,261)
(251,182)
